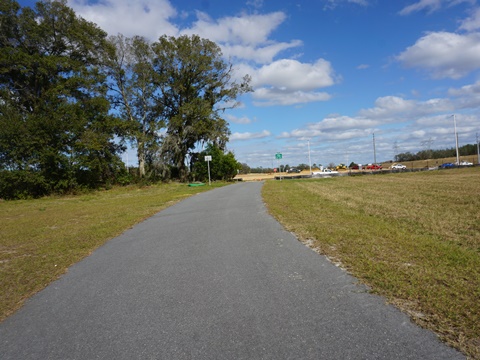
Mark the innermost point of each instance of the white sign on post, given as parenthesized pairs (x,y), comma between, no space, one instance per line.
(208,158)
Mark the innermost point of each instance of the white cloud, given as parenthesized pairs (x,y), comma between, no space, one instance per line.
(271,97)
(237,120)
(248,136)
(467,90)
(387,107)
(419,134)
(257,4)
(259,54)
(293,75)
(244,37)
(472,23)
(466,97)
(332,4)
(359,2)
(335,128)
(325,136)
(289,82)
(431,5)
(337,123)
(149,18)
(408,124)
(391,109)
(444,54)
(246,29)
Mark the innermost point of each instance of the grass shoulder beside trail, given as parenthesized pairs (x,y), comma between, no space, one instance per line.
(413,238)
(40,239)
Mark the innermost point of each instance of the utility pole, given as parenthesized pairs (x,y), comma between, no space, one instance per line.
(374,150)
(309,159)
(478,151)
(456,138)
(395,150)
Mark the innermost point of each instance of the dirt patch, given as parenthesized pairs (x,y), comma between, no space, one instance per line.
(266,176)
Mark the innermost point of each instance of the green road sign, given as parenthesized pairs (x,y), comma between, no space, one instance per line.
(278,156)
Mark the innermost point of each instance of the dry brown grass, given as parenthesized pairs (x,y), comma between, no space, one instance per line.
(413,237)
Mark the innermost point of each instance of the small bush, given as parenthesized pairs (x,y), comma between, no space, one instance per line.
(22,184)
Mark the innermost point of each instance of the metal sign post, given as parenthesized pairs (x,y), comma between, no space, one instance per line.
(278,156)
(208,158)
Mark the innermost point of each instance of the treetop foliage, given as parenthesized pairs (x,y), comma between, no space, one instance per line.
(54,121)
(70,98)
(222,167)
(195,86)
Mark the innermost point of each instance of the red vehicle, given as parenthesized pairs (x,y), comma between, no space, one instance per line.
(374,167)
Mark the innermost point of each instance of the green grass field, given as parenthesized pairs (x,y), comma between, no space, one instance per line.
(40,239)
(413,238)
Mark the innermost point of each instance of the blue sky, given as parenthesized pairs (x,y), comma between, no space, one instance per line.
(329,73)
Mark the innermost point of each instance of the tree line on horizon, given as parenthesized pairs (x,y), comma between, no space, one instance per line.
(465,150)
(469,149)
(72,98)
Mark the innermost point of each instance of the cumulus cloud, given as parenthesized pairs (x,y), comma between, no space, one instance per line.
(387,107)
(246,29)
(293,75)
(338,123)
(397,109)
(444,54)
(289,82)
(149,18)
(271,97)
(335,127)
(242,37)
(418,134)
(466,90)
(466,97)
(248,135)
(309,133)
(471,23)
(434,114)
(245,36)
(392,119)
(238,120)
(260,54)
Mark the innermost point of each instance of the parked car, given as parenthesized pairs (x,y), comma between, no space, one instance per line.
(398,167)
(446,166)
(324,172)
(293,170)
(354,167)
(374,167)
(465,163)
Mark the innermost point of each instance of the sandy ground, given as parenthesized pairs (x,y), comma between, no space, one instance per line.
(255,177)
(260,177)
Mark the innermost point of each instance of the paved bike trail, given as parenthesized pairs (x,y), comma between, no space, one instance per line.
(212,277)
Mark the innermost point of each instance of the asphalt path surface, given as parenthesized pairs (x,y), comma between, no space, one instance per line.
(212,277)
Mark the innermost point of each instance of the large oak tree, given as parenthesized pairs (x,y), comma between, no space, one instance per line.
(195,87)
(54,122)
(133,92)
